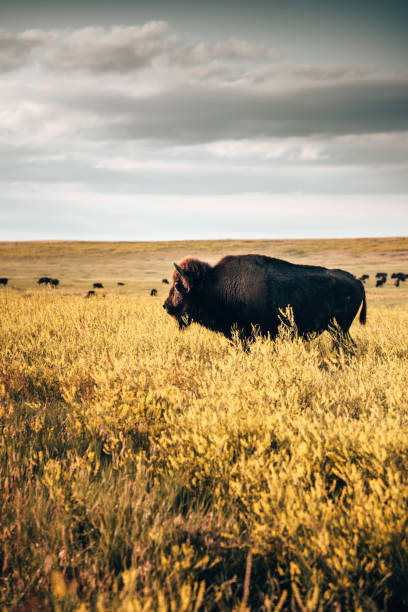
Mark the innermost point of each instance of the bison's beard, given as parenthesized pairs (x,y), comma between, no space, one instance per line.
(183,320)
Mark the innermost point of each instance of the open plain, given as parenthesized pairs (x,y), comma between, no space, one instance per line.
(145,469)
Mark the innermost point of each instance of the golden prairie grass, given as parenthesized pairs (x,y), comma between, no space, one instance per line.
(44,248)
(147,469)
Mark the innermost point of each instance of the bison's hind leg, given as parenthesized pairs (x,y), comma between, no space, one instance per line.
(341,338)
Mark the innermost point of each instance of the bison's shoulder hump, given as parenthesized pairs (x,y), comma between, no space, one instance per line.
(249,259)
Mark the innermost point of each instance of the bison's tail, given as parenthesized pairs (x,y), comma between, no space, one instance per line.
(363,311)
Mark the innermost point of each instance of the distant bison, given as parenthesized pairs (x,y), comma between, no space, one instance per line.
(46,280)
(3,281)
(165,281)
(153,292)
(381,281)
(90,293)
(364,277)
(121,284)
(244,291)
(381,275)
(97,286)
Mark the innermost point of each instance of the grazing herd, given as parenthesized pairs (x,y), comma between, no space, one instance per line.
(381,278)
(54,283)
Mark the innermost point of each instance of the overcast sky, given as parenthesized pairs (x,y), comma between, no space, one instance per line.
(152,120)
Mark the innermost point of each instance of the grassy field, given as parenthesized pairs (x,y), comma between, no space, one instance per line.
(145,469)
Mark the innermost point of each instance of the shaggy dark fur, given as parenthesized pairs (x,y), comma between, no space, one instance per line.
(250,290)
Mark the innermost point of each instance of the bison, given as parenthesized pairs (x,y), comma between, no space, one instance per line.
(121,284)
(3,281)
(54,282)
(153,292)
(364,277)
(381,281)
(248,292)
(44,280)
(165,281)
(97,286)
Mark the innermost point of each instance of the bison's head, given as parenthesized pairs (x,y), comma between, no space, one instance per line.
(182,299)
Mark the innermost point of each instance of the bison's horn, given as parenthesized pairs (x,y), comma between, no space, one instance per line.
(180,270)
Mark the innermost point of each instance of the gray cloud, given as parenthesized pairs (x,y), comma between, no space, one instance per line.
(121,49)
(191,114)
(347,164)
(16,49)
(128,49)
(143,82)
(142,114)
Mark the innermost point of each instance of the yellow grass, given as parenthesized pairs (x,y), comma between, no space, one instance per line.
(147,469)
(103,249)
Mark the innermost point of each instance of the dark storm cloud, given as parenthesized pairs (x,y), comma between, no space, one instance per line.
(123,118)
(142,82)
(353,28)
(192,114)
(16,49)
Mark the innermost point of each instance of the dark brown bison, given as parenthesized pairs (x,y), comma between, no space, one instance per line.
(165,281)
(97,286)
(90,293)
(121,284)
(54,282)
(381,281)
(44,280)
(3,281)
(244,291)
(153,292)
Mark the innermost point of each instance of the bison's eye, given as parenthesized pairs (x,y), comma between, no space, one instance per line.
(179,286)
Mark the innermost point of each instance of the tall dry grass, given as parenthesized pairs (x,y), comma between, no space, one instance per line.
(147,469)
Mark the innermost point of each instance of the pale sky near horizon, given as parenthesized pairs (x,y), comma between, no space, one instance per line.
(156,120)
